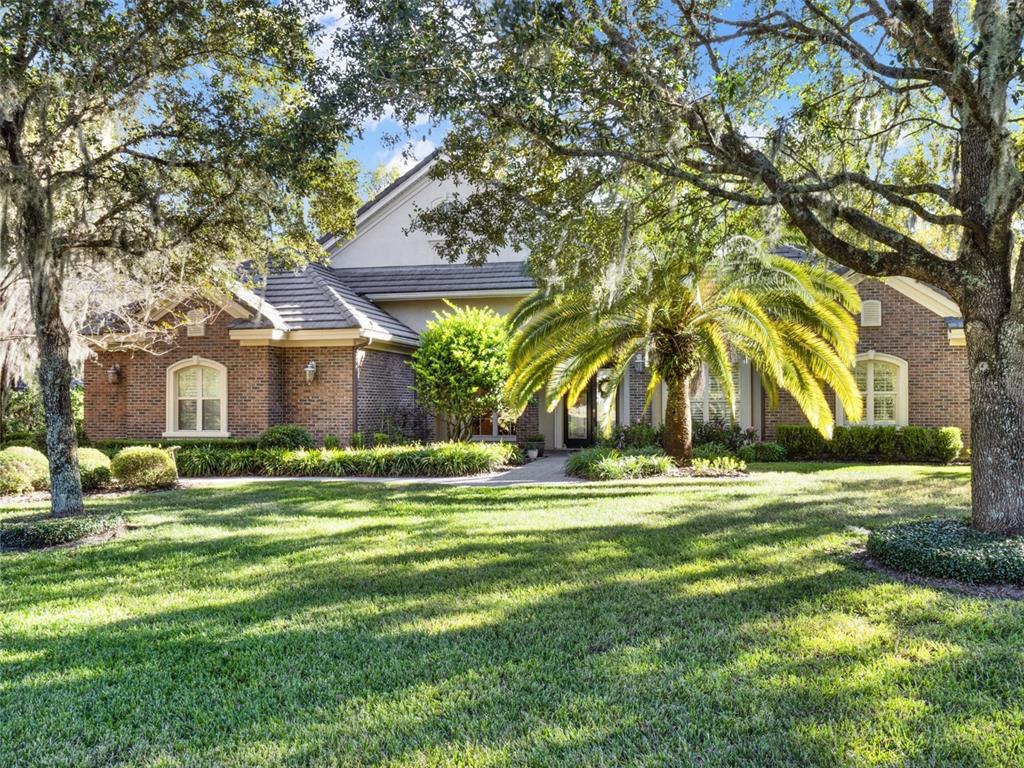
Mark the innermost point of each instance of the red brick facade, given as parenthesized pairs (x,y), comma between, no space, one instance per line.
(938,391)
(385,399)
(265,386)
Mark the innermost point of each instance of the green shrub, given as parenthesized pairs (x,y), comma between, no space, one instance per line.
(381,438)
(358,441)
(285,436)
(605,463)
(718,430)
(762,452)
(639,435)
(94,469)
(23,469)
(331,442)
(720,466)
(949,444)
(856,443)
(950,549)
(144,467)
(801,441)
(439,459)
(710,451)
(863,443)
(49,532)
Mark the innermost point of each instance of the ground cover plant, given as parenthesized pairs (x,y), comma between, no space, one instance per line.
(603,463)
(674,622)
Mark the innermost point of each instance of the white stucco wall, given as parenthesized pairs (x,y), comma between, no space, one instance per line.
(416,313)
(381,240)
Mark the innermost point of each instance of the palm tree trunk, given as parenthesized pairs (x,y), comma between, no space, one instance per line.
(678,438)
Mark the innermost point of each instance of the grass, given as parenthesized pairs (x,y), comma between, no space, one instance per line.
(669,623)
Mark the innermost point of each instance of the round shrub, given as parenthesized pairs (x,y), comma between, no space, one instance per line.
(51,531)
(94,467)
(286,436)
(23,469)
(950,549)
(762,452)
(144,467)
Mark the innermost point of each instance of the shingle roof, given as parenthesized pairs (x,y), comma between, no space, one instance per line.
(437,278)
(315,299)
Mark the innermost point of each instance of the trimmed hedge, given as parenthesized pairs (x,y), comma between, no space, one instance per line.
(285,436)
(23,469)
(605,463)
(950,549)
(51,531)
(862,443)
(94,468)
(762,452)
(435,460)
(144,467)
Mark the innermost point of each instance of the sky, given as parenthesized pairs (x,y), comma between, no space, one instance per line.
(373,149)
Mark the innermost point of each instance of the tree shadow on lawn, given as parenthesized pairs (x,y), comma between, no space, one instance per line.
(723,636)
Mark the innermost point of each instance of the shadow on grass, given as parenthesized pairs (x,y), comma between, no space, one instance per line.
(289,625)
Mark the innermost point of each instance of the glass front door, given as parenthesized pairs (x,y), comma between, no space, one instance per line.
(578,420)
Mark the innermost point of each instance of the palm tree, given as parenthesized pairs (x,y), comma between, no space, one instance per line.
(791,319)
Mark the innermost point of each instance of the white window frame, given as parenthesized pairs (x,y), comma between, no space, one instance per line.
(902,391)
(700,401)
(171,424)
(495,436)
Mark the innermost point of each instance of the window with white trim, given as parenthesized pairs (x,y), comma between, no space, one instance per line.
(197,398)
(882,381)
(707,402)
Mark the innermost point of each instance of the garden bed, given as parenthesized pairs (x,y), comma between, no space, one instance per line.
(48,532)
(949,549)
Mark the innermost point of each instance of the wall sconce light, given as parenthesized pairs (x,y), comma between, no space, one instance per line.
(310,371)
(114,373)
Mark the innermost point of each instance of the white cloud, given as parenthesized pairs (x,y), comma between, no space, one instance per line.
(331,21)
(409,155)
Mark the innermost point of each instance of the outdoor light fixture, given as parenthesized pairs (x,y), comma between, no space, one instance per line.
(310,371)
(114,373)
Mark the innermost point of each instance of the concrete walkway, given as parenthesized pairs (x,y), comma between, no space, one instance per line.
(549,470)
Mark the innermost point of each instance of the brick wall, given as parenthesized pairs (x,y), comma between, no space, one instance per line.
(639,379)
(385,397)
(266,385)
(528,423)
(938,389)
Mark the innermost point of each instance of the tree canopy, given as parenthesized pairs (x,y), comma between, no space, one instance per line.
(886,135)
(166,141)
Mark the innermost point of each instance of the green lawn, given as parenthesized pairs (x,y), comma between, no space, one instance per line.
(714,623)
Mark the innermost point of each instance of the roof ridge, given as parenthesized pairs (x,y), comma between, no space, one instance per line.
(358,317)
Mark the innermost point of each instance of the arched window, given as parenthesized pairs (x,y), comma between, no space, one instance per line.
(882,381)
(197,399)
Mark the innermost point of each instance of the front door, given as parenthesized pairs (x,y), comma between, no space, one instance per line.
(593,413)
(579,419)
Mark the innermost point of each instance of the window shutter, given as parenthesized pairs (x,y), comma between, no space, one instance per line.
(871,313)
(196,323)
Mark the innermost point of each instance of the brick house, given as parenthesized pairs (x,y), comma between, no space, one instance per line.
(328,348)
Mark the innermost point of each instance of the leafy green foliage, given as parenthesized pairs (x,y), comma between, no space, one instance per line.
(765,452)
(718,466)
(23,469)
(144,467)
(602,463)
(331,442)
(729,434)
(94,467)
(49,532)
(461,366)
(437,460)
(111,447)
(285,436)
(639,435)
(863,443)
(950,549)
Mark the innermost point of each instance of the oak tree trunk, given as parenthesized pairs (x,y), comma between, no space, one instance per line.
(996,369)
(54,343)
(678,438)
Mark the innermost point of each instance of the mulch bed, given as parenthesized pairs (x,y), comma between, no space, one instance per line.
(986,591)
